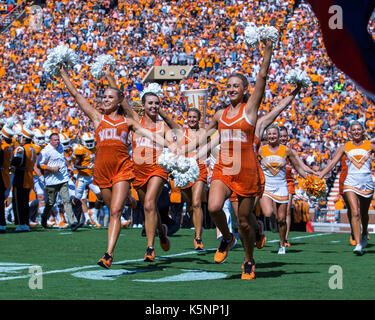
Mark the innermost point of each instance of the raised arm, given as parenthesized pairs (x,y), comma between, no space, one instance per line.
(124,103)
(94,115)
(336,158)
(270,117)
(175,127)
(256,98)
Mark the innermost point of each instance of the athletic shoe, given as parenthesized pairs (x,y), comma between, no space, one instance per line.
(150,255)
(164,241)
(248,271)
(51,221)
(222,252)
(106,261)
(364,240)
(282,250)
(74,226)
(260,238)
(33,224)
(352,241)
(95,224)
(125,223)
(287,244)
(198,244)
(3,229)
(358,250)
(63,225)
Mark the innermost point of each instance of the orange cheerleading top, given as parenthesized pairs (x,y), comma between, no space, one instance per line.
(233,197)
(236,165)
(112,159)
(145,156)
(202,167)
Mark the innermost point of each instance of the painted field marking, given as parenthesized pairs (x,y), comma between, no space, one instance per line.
(75,269)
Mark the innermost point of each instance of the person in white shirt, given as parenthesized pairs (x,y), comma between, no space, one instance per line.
(54,166)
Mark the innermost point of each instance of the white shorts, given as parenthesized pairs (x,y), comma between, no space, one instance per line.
(39,186)
(72,188)
(361,184)
(82,183)
(278,193)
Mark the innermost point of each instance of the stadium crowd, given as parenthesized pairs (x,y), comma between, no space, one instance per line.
(205,34)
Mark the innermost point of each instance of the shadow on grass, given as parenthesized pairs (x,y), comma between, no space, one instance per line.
(161,262)
(288,251)
(269,274)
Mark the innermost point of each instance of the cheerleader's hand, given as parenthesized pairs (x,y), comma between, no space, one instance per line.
(268,43)
(317,173)
(107,70)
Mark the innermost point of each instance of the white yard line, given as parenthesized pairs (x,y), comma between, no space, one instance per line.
(139,260)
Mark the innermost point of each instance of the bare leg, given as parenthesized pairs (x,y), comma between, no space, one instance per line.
(115,200)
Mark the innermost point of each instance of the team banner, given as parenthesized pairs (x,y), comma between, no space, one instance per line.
(348,42)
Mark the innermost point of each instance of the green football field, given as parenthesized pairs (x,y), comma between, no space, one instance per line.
(317,266)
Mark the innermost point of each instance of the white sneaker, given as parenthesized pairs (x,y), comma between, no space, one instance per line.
(364,240)
(358,250)
(282,250)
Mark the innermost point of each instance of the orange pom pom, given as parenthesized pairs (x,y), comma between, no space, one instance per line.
(315,188)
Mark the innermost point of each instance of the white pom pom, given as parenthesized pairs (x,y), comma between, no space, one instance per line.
(57,56)
(268,33)
(183,164)
(154,88)
(298,77)
(251,35)
(184,170)
(167,160)
(254,34)
(100,62)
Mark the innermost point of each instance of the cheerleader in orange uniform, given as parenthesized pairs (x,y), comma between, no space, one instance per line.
(358,186)
(113,166)
(194,191)
(235,170)
(149,176)
(262,124)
